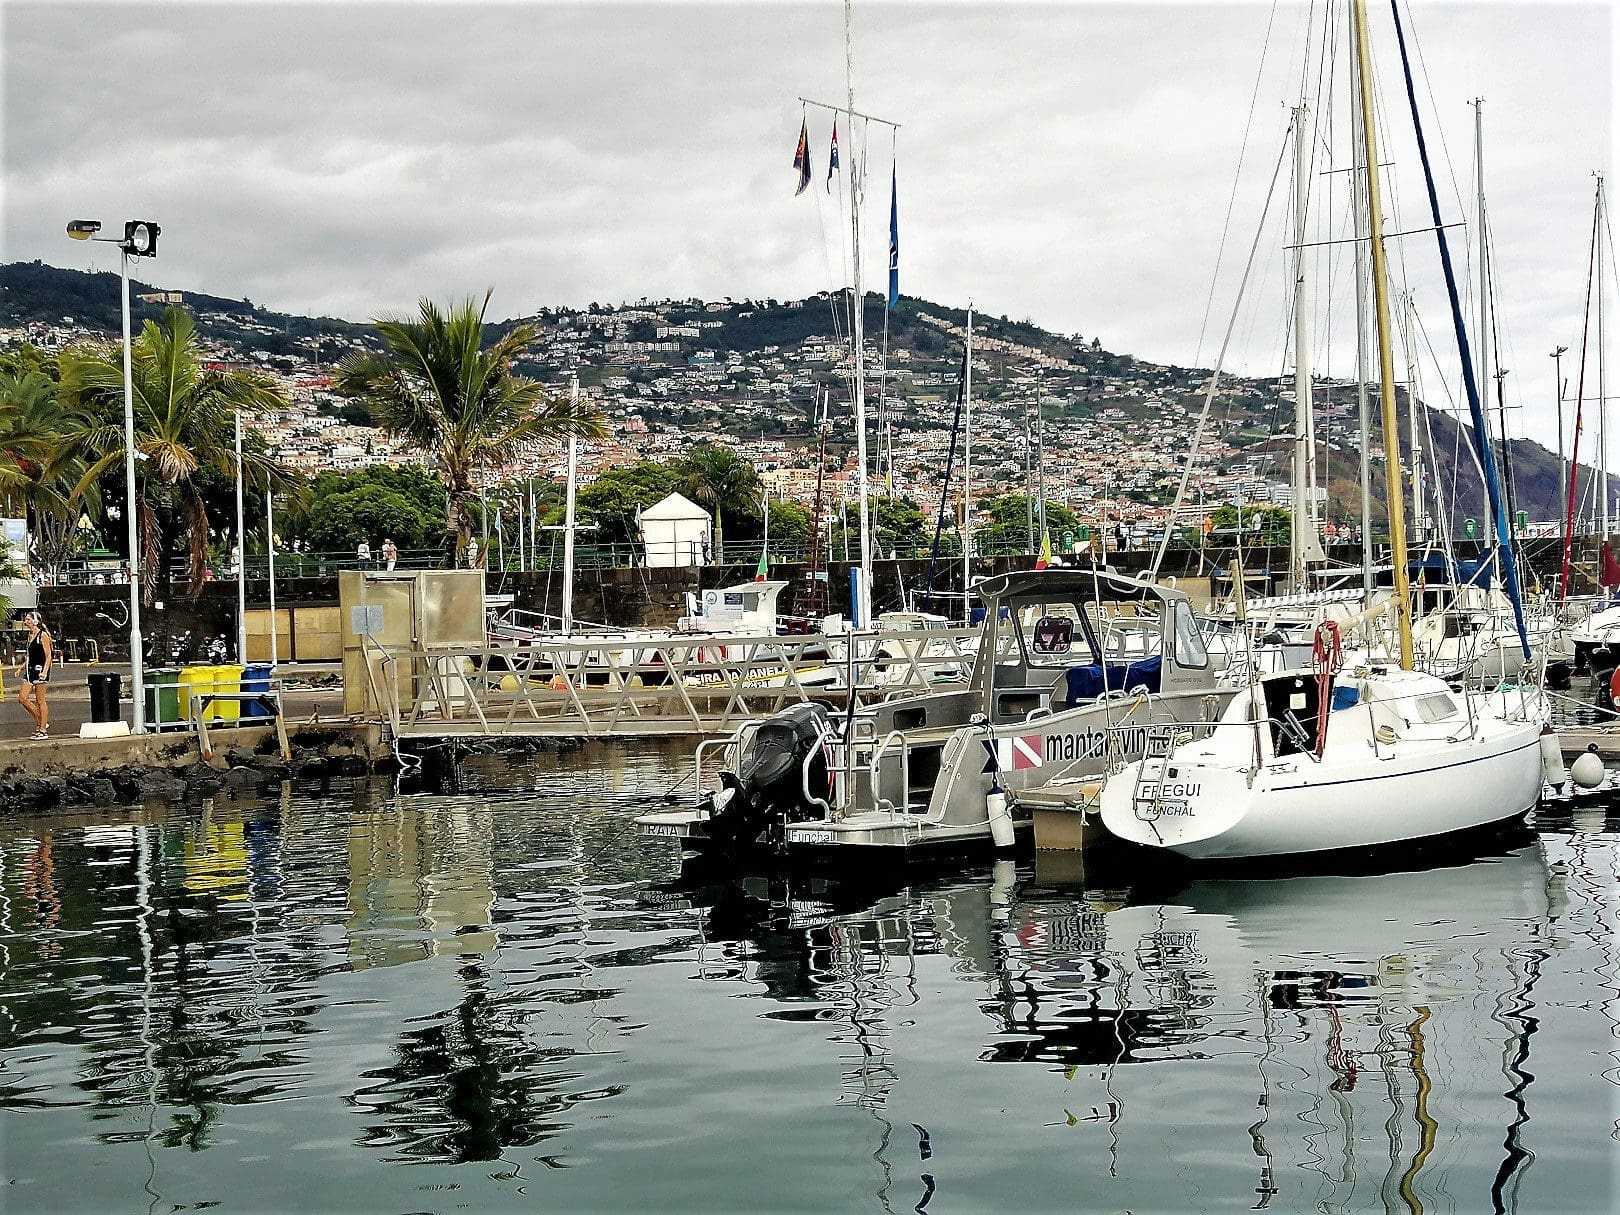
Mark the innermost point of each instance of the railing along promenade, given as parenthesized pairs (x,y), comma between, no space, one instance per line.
(618,685)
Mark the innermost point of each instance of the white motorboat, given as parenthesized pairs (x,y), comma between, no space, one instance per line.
(1075,669)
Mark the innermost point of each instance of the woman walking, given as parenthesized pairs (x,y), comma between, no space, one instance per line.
(35,670)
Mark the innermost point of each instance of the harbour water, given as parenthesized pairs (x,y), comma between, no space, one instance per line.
(499,998)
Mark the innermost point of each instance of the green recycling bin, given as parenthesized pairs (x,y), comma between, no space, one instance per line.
(162,697)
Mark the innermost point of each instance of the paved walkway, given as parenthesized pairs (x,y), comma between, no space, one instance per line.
(69,697)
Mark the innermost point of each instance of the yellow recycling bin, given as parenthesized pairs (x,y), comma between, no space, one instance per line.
(226,679)
(193,681)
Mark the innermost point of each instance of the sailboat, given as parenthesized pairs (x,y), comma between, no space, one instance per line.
(1349,758)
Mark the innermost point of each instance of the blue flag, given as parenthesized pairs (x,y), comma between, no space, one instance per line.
(832,161)
(894,239)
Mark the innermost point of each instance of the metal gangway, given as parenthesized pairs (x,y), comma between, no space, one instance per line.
(619,685)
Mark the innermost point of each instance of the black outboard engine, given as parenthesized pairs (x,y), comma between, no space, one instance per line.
(768,788)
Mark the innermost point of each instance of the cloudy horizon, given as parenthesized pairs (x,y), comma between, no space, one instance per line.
(1067,163)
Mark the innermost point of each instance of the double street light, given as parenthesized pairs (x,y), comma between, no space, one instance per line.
(139,240)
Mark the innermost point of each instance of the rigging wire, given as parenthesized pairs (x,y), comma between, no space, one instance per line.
(1215,375)
(1237,178)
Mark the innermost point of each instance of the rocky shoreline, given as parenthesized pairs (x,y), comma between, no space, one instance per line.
(172,770)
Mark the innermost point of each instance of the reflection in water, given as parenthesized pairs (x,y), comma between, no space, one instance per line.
(505,989)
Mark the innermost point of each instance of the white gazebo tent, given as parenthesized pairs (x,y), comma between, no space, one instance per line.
(676,531)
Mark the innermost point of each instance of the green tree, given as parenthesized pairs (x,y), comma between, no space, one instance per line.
(897,527)
(790,526)
(184,429)
(369,512)
(38,466)
(1001,524)
(1261,524)
(611,502)
(724,483)
(437,385)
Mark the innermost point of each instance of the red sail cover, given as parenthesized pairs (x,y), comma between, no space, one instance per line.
(1610,576)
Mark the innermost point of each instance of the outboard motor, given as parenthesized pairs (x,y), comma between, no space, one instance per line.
(768,788)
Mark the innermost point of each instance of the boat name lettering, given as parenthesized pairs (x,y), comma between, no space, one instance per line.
(1092,744)
(1178,789)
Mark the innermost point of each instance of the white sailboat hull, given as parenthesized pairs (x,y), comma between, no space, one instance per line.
(1364,793)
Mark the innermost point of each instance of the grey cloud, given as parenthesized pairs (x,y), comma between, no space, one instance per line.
(1066,162)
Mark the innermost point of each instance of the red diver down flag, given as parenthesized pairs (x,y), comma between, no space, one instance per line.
(1019,753)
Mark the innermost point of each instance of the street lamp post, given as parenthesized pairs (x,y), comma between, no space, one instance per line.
(139,240)
(241,551)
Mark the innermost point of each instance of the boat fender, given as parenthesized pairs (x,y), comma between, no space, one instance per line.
(1001,823)
(1552,761)
(1614,686)
(1588,770)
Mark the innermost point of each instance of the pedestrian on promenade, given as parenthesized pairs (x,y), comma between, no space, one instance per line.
(390,553)
(35,670)
(362,554)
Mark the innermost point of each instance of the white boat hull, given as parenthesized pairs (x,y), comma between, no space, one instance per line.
(1368,795)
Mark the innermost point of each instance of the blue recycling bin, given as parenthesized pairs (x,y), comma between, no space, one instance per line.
(256,679)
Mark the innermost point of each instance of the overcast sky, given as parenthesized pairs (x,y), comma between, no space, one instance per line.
(1070,163)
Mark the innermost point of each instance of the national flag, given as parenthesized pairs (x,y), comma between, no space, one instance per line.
(759,574)
(894,239)
(832,161)
(801,158)
(1045,559)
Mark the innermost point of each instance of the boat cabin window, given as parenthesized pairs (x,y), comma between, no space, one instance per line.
(1436,706)
(1190,649)
(1052,635)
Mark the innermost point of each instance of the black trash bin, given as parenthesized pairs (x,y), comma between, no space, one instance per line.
(105,688)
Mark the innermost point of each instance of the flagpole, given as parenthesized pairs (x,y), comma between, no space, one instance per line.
(863,599)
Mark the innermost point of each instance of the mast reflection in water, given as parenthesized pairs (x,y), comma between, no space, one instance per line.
(502,999)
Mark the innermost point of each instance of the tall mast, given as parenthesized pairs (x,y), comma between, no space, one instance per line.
(967,474)
(1363,413)
(568,514)
(1482,342)
(863,598)
(1602,391)
(1386,355)
(1415,441)
(1305,546)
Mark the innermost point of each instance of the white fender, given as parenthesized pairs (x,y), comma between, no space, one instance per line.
(1552,761)
(1001,824)
(1588,770)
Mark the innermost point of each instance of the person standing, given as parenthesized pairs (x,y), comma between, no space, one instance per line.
(35,670)
(362,554)
(390,553)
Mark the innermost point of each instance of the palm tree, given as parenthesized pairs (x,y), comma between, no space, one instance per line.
(436,385)
(184,429)
(39,465)
(722,482)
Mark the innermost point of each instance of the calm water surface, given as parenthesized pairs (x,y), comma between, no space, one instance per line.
(500,999)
